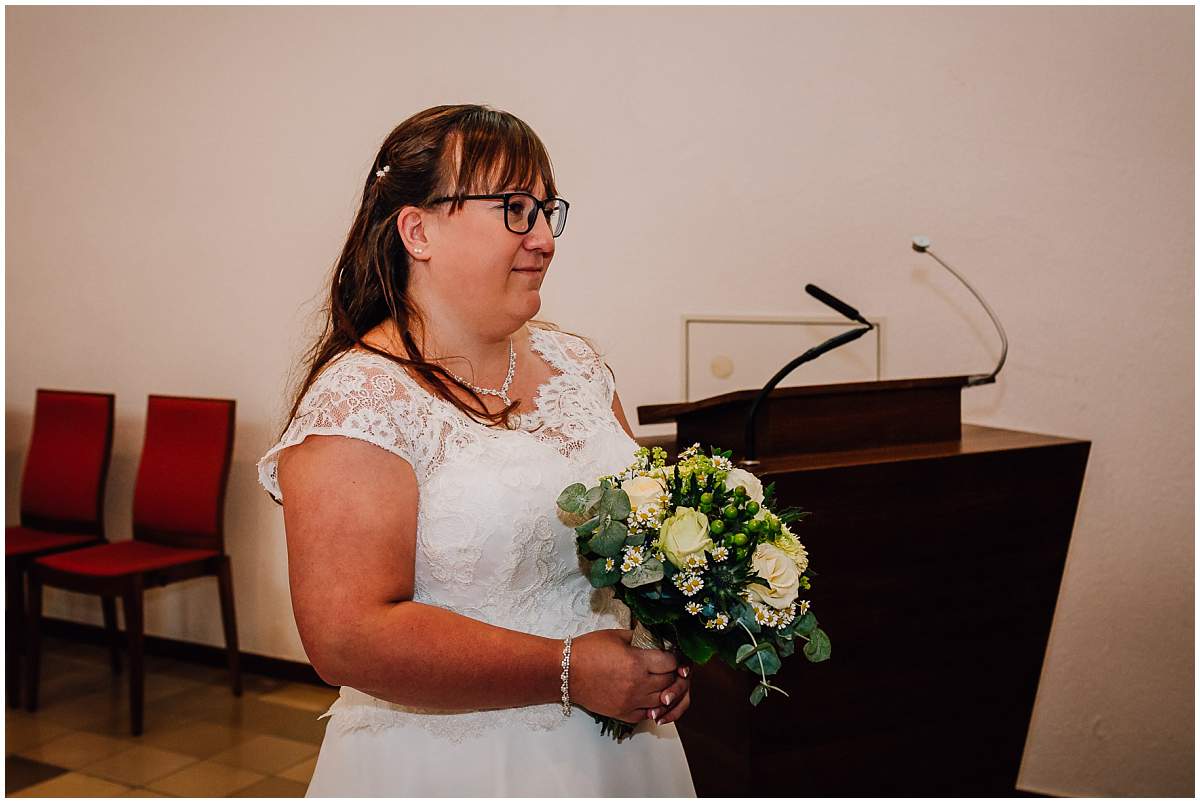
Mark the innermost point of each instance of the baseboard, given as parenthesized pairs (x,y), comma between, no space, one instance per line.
(205,654)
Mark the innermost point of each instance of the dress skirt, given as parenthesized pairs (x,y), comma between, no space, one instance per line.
(572,760)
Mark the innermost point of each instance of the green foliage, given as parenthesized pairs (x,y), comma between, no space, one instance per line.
(587,528)
(803,625)
(759,660)
(615,502)
(592,500)
(600,577)
(758,695)
(609,540)
(817,649)
(635,539)
(572,498)
(695,646)
(649,572)
(786,647)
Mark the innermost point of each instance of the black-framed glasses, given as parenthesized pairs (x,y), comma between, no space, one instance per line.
(521,210)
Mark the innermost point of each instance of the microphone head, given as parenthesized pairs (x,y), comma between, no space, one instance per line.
(920,243)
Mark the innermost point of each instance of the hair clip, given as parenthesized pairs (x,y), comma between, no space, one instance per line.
(379,173)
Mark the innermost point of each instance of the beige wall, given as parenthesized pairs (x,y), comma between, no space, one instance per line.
(179,181)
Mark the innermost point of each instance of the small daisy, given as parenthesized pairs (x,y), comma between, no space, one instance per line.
(718,622)
(803,607)
(609,564)
(634,557)
(723,463)
(690,584)
(720,553)
(762,615)
(696,561)
(693,608)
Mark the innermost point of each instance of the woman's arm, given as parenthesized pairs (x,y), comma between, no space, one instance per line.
(619,412)
(350,511)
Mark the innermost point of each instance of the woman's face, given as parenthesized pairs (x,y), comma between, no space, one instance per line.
(477,271)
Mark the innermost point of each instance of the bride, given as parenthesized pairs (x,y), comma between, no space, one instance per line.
(430,577)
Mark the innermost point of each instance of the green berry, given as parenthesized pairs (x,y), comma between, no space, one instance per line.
(740,539)
(706,498)
(752,507)
(754,526)
(716,527)
(739,492)
(731,512)
(742,553)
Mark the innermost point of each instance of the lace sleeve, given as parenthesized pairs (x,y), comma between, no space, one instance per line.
(355,399)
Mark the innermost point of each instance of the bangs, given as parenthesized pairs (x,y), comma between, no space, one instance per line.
(492,151)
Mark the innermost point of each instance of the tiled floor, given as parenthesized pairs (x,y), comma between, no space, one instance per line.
(198,741)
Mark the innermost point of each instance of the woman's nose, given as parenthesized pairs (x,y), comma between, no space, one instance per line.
(540,238)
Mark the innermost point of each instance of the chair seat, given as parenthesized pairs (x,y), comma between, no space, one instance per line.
(123,557)
(25,541)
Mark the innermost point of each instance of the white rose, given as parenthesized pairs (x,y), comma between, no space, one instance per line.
(779,570)
(643,490)
(790,545)
(683,535)
(739,477)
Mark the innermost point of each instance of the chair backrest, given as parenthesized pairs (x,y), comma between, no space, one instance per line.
(62,487)
(179,499)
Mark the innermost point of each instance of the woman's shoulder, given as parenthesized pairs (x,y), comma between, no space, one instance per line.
(359,395)
(569,352)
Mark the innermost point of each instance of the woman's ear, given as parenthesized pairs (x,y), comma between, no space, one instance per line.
(410,223)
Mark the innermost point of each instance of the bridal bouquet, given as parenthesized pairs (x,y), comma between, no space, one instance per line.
(703,560)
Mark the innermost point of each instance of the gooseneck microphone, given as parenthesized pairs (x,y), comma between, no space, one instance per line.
(850,312)
(921,245)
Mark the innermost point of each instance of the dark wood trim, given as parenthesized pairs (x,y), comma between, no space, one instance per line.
(204,654)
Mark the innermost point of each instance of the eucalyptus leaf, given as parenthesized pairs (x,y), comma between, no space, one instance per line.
(587,528)
(609,540)
(764,661)
(805,624)
(758,695)
(615,503)
(786,648)
(635,539)
(592,500)
(745,615)
(649,572)
(694,646)
(571,499)
(746,650)
(818,648)
(599,576)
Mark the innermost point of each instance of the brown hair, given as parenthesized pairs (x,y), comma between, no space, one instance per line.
(492,149)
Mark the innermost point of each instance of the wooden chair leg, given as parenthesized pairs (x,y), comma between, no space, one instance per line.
(133,630)
(225,588)
(33,638)
(14,630)
(110,628)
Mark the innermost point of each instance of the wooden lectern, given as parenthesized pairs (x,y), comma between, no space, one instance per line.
(939,548)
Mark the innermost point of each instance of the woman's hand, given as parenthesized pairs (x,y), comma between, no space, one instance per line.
(613,679)
(676,698)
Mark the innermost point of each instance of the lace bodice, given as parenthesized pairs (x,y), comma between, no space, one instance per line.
(489,543)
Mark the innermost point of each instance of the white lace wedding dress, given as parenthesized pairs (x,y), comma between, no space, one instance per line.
(489,546)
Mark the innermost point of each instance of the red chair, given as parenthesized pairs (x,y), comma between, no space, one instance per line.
(62,502)
(178,533)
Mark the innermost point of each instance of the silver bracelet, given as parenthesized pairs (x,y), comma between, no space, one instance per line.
(566,671)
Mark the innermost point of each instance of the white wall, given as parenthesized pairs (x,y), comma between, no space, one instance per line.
(180,180)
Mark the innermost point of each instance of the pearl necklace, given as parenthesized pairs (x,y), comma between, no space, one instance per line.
(502,391)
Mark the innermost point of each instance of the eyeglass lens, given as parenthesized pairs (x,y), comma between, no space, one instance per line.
(522,211)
